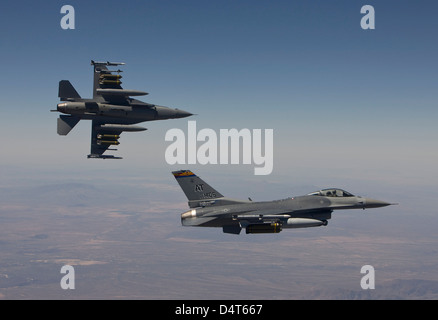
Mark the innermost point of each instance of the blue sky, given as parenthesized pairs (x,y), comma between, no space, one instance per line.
(350,108)
(342,101)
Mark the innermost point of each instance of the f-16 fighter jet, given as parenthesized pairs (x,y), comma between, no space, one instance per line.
(211,209)
(112,110)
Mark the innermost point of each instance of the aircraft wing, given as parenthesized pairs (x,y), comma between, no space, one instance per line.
(261,217)
(272,215)
(102,139)
(107,84)
(104,135)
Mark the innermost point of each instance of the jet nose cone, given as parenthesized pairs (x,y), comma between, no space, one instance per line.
(182,114)
(372,203)
(170,113)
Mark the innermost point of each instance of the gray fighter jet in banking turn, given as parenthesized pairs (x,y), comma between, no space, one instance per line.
(211,209)
(112,110)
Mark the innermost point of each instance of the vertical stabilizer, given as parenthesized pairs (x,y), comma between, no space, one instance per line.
(197,191)
(66,91)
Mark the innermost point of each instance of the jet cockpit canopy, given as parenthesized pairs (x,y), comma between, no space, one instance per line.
(331,193)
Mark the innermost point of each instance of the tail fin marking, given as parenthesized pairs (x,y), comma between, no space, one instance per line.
(197,191)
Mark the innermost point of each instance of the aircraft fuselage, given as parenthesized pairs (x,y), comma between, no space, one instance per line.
(316,209)
(136,113)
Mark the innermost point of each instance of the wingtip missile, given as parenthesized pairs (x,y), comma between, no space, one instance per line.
(100,156)
(115,63)
(107,63)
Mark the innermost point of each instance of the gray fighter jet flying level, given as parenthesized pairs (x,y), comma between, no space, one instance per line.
(111,110)
(211,209)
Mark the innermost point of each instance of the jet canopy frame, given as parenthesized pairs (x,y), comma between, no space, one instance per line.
(332,192)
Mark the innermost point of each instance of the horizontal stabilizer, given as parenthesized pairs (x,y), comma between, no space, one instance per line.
(66,91)
(66,123)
